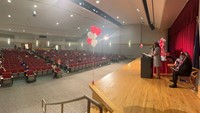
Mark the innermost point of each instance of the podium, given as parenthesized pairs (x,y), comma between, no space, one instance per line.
(146,66)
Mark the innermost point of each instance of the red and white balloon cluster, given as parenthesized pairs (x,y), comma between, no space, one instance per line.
(92,35)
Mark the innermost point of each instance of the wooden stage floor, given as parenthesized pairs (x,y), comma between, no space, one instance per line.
(130,93)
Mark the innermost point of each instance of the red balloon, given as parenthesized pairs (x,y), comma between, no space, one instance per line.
(89,41)
(95,30)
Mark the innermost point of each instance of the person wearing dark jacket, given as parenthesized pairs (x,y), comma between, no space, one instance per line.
(184,69)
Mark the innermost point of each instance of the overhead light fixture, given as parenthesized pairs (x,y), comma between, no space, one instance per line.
(57,23)
(97,1)
(138,10)
(79,28)
(69,44)
(81,44)
(47,33)
(35,6)
(23,30)
(71,15)
(80,3)
(94,10)
(9,29)
(123,22)
(9,16)
(87,30)
(9,1)
(103,26)
(117,17)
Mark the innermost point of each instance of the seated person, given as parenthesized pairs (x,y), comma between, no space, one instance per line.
(183,69)
(54,70)
(2,69)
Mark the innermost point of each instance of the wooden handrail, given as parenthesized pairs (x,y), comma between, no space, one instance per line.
(44,103)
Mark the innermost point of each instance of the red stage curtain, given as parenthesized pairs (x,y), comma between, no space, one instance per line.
(182,31)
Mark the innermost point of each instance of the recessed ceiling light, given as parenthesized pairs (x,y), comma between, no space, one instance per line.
(94,10)
(71,15)
(80,3)
(47,33)
(141,18)
(138,10)
(117,17)
(9,29)
(79,28)
(57,23)
(35,6)
(123,22)
(9,1)
(97,1)
(23,30)
(9,16)
(103,26)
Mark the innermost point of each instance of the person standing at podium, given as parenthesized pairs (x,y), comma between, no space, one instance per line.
(157,59)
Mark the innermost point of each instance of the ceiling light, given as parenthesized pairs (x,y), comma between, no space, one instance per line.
(141,18)
(47,33)
(35,6)
(123,22)
(117,17)
(71,15)
(138,10)
(103,26)
(87,30)
(57,23)
(80,3)
(94,10)
(9,29)
(9,16)
(78,27)
(23,30)
(9,1)
(97,1)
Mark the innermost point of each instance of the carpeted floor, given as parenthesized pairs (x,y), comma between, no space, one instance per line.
(27,98)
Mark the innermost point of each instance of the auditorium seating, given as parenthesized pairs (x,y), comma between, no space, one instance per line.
(30,76)
(14,60)
(6,78)
(75,60)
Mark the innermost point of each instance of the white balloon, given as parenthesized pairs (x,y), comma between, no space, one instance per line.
(90,34)
(94,43)
(94,36)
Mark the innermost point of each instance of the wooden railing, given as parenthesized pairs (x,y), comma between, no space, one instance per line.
(89,101)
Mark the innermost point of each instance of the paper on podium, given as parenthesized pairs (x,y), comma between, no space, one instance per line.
(147,54)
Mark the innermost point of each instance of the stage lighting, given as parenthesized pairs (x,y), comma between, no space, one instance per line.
(106,38)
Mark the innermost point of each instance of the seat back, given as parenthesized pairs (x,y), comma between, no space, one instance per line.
(6,75)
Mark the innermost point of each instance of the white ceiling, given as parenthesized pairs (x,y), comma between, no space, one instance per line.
(49,12)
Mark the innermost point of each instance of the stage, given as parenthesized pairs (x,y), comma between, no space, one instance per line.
(124,91)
